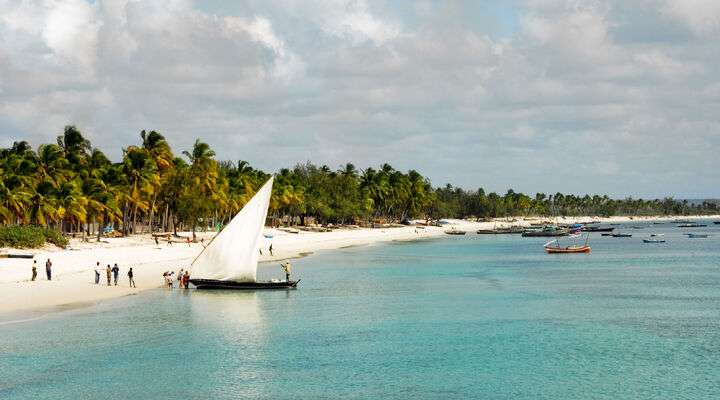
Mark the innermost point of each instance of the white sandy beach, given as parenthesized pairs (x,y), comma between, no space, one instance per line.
(73,276)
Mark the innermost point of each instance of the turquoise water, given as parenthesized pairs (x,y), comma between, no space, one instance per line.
(458,317)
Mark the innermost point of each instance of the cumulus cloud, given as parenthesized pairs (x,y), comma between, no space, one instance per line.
(571,95)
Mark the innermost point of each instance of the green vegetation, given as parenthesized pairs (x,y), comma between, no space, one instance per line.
(21,237)
(72,187)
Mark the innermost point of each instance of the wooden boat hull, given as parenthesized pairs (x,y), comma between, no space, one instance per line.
(213,284)
(653,241)
(596,229)
(623,235)
(455,233)
(567,250)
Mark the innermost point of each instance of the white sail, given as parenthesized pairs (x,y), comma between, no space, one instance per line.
(233,254)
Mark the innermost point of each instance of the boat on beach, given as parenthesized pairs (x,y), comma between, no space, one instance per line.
(454,231)
(230,260)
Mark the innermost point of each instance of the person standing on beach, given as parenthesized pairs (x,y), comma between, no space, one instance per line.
(130,278)
(270,249)
(107,273)
(157,243)
(48,269)
(34,271)
(97,272)
(116,272)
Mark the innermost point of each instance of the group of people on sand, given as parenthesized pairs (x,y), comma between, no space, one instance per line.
(48,270)
(113,272)
(183,279)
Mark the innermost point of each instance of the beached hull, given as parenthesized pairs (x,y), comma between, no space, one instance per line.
(209,284)
(567,250)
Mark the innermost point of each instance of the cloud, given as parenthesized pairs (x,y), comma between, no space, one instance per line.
(700,16)
(571,95)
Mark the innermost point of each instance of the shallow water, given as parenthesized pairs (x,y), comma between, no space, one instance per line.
(458,317)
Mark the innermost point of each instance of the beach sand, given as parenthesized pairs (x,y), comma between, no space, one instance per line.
(73,277)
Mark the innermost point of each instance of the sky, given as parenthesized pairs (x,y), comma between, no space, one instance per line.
(612,97)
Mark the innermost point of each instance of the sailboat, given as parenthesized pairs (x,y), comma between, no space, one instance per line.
(230,260)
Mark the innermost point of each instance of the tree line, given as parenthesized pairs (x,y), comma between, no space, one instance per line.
(74,187)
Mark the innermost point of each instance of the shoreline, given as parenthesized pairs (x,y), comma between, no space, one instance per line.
(73,277)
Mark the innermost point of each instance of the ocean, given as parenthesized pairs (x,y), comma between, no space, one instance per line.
(468,317)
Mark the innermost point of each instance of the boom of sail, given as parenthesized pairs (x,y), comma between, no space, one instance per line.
(233,254)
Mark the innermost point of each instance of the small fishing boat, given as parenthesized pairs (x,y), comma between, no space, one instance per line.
(548,231)
(268,235)
(454,231)
(638,227)
(554,247)
(697,235)
(597,229)
(657,234)
(692,225)
(623,235)
(606,234)
(653,240)
(716,222)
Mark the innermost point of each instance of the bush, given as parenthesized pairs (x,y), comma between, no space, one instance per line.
(23,237)
(55,237)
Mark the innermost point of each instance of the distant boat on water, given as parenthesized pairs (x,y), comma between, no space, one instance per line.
(597,229)
(697,235)
(638,227)
(653,240)
(716,222)
(548,231)
(692,225)
(501,231)
(623,235)
(554,247)
(230,260)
